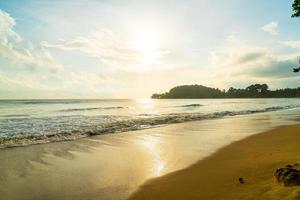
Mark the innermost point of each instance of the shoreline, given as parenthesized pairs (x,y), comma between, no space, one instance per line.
(114,166)
(130,125)
(216,177)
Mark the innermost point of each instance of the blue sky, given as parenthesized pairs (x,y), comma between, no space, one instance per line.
(131,49)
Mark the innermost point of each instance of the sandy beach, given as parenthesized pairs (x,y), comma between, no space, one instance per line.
(149,100)
(115,166)
(255,159)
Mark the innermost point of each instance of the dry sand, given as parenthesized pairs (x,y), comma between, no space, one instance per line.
(216,177)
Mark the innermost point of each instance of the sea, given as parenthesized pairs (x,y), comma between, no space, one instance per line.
(25,122)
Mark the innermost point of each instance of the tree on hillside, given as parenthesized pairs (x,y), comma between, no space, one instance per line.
(296,69)
(257,90)
(296,8)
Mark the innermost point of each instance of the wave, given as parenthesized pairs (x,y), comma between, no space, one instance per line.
(191,105)
(41,101)
(93,108)
(115,124)
(55,101)
(16,115)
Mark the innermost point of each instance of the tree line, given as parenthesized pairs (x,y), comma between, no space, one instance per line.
(252,91)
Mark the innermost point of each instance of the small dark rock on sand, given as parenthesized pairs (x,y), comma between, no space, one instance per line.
(288,175)
(241,180)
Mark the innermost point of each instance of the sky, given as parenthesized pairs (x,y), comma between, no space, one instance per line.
(134,48)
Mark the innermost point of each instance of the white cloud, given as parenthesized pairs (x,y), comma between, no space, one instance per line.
(15,50)
(292,43)
(6,25)
(231,38)
(271,28)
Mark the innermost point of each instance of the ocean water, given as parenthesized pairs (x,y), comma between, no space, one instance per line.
(24,122)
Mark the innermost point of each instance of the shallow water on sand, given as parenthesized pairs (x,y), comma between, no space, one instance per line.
(113,166)
(24,122)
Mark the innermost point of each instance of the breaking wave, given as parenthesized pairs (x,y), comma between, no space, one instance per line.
(191,105)
(93,108)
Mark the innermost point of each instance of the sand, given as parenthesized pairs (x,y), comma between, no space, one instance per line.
(216,177)
(113,167)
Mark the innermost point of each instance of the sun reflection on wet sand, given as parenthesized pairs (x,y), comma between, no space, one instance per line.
(152,145)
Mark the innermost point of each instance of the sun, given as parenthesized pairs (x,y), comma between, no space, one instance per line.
(145,42)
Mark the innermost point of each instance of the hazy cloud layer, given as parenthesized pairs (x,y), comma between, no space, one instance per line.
(109,47)
(254,65)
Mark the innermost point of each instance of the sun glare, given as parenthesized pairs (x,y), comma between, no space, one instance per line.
(145,101)
(145,42)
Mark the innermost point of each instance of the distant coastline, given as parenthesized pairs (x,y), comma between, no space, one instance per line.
(252,91)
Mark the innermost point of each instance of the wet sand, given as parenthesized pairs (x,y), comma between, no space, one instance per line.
(255,159)
(115,166)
